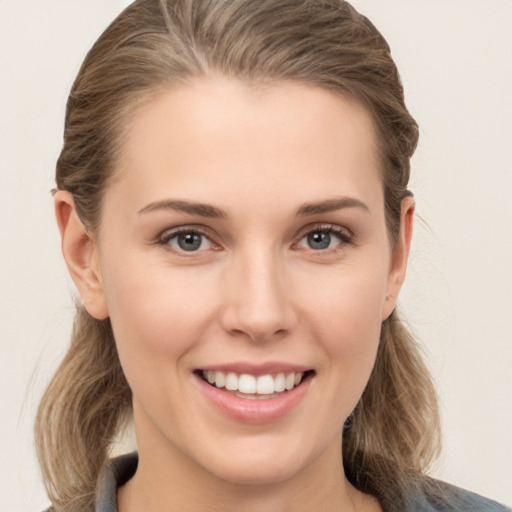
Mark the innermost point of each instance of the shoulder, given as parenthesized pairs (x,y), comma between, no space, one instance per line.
(442,497)
(115,474)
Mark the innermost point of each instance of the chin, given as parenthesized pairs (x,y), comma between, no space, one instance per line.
(258,463)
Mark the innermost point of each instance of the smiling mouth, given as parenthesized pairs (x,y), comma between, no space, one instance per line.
(254,387)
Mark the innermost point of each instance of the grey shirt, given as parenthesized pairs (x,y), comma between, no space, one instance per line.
(121,469)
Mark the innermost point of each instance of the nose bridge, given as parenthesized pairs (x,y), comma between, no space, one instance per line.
(258,301)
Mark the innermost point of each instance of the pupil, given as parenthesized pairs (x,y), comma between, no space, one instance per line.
(319,240)
(190,241)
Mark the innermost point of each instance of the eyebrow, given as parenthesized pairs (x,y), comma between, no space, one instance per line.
(212,212)
(201,209)
(331,205)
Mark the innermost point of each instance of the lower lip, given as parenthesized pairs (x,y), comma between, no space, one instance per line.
(258,410)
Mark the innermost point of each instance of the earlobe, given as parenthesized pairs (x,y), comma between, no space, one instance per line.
(400,256)
(81,255)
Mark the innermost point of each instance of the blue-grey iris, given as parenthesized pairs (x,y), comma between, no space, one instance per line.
(319,240)
(190,241)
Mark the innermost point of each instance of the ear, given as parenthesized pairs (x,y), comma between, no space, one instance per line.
(399,257)
(81,255)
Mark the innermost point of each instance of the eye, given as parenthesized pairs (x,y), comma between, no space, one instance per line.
(187,241)
(322,239)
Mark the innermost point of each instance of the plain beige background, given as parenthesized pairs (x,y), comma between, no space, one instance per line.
(455,57)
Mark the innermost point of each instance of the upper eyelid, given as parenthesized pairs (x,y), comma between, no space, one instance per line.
(323,226)
(170,232)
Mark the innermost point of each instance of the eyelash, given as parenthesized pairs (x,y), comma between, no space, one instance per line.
(344,236)
(169,234)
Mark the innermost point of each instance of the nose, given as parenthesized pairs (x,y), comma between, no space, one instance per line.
(258,298)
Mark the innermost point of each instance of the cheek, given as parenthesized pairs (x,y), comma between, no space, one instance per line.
(349,300)
(354,338)
(158,318)
(347,319)
(156,315)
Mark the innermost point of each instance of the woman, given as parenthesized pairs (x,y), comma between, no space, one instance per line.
(233,205)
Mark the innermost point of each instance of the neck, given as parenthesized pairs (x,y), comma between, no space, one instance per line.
(171,482)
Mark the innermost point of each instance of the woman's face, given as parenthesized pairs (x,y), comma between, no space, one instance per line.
(244,243)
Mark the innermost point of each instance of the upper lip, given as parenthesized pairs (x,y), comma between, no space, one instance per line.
(256,369)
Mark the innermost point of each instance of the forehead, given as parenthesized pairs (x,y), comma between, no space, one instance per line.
(207,136)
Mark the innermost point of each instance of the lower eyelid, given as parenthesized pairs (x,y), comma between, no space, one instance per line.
(343,240)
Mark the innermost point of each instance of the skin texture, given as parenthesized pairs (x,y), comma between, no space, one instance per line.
(254,292)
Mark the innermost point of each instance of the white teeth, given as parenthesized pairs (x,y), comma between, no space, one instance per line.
(247,384)
(290,381)
(231,382)
(265,385)
(279,383)
(250,385)
(220,379)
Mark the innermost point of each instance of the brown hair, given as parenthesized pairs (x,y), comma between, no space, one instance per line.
(393,434)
